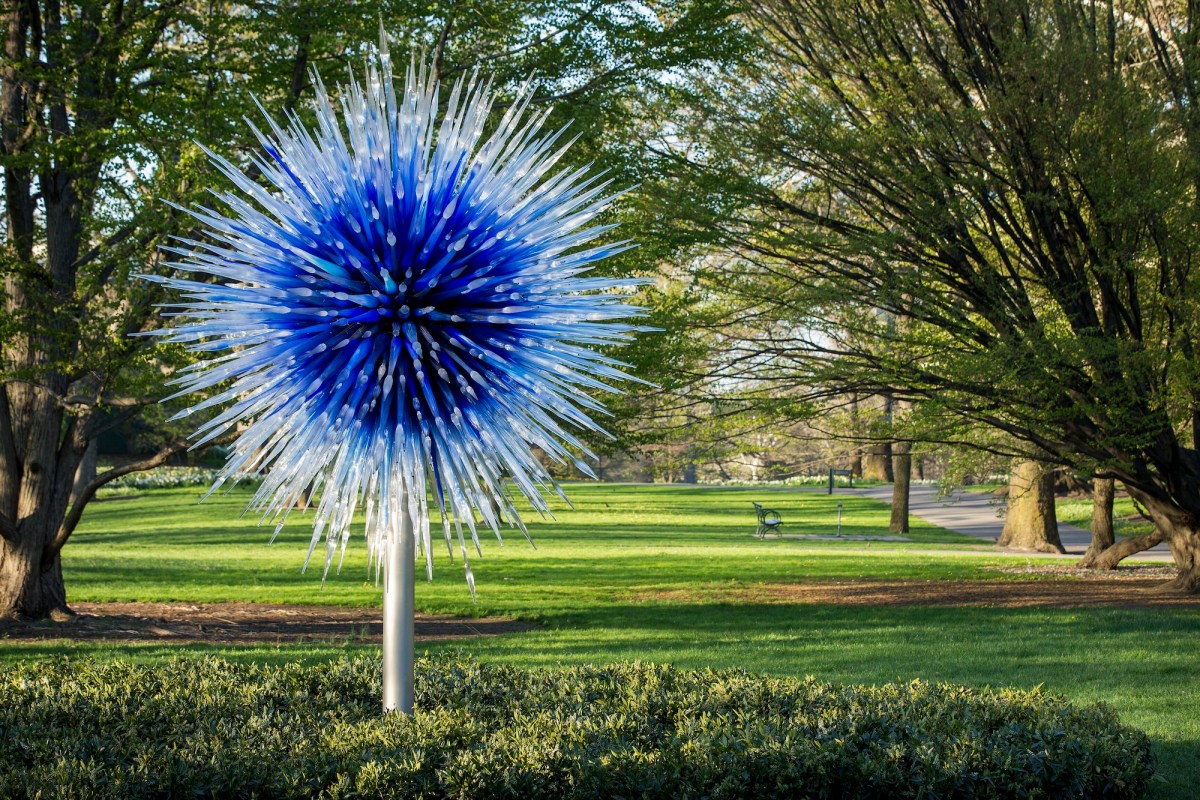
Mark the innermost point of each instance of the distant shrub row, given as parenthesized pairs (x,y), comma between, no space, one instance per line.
(165,478)
(80,729)
(808,480)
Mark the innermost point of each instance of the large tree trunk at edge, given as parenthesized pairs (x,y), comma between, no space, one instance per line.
(38,467)
(902,469)
(1103,536)
(29,589)
(1181,531)
(1030,523)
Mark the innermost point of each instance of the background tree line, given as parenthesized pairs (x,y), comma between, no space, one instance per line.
(984,212)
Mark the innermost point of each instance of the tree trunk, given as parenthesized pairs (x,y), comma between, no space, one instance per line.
(855,464)
(1103,536)
(1119,551)
(1185,547)
(66,73)
(1180,529)
(1030,523)
(85,473)
(29,589)
(877,463)
(902,468)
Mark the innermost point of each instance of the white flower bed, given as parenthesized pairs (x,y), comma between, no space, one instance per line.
(165,478)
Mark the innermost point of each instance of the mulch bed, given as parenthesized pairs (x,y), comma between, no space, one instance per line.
(1125,572)
(244,623)
(1051,586)
(1090,590)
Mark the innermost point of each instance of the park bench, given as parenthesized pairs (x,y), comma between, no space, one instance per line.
(768,520)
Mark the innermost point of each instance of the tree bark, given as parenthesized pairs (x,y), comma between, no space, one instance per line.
(44,438)
(1103,535)
(1030,523)
(1185,547)
(1180,529)
(1123,549)
(855,464)
(902,469)
(877,463)
(85,473)
(30,589)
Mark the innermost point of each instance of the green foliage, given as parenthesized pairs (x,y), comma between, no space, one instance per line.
(212,728)
(985,209)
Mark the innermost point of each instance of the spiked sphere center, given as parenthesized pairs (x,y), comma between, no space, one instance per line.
(405,312)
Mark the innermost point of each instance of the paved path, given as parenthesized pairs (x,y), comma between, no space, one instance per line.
(974,514)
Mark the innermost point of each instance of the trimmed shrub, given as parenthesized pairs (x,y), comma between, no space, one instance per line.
(209,728)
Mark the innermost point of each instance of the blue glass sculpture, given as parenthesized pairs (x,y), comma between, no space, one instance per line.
(405,310)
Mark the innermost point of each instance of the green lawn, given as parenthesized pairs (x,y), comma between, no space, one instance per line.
(592,580)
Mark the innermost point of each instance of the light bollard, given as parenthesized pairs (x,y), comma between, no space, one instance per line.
(399,615)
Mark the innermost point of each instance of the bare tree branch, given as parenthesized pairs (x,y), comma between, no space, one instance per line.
(439,52)
(1109,557)
(72,518)
(110,241)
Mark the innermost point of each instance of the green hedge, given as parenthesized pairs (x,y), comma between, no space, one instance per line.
(188,728)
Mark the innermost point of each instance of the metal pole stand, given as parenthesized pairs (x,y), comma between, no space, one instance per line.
(399,606)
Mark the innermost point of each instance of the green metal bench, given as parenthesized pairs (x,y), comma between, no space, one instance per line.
(769,520)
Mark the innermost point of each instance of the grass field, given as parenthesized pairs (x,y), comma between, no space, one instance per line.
(644,572)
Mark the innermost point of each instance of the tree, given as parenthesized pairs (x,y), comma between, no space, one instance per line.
(1104,492)
(901,490)
(72,89)
(1006,176)
(100,101)
(1030,521)
(1105,550)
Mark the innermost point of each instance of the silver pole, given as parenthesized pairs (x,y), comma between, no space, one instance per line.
(399,606)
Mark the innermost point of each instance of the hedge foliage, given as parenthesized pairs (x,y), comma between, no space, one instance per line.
(189,728)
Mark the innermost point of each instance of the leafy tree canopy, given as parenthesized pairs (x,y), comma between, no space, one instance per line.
(988,210)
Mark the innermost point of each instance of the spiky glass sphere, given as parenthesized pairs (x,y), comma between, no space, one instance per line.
(406,307)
